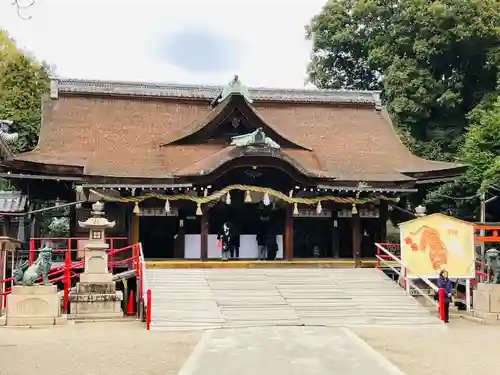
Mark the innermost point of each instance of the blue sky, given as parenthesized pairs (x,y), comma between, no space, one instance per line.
(184,41)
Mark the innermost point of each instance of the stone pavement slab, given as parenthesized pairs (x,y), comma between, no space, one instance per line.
(287,351)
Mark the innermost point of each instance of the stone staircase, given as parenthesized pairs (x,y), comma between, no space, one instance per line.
(217,298)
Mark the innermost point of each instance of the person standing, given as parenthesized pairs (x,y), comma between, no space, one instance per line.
(261,242)
(225,238)
(445,283)
(235,242)
(271,244)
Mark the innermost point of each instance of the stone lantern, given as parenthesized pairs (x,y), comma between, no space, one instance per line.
(420,210)
(95,296)
(96,258)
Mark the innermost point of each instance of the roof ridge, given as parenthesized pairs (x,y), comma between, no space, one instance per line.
(176,90)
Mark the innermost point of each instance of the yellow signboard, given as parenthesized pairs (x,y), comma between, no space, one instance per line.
(435,242)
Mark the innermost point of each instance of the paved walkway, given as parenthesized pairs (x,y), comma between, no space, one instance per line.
(285,350)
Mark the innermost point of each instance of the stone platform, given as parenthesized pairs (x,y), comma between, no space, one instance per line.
(37,305)
(486,302)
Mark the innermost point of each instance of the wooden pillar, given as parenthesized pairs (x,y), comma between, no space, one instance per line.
(288,235)
(134,228)
(383,216)
(73,222)
(180,241)
(356,239)
(204,234)
(6,226)
(335,235)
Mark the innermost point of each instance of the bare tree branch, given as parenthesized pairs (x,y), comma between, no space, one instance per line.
(22,6)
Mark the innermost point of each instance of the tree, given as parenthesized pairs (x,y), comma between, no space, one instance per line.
(481,152)
(22,6)
(23,82)
(435,61)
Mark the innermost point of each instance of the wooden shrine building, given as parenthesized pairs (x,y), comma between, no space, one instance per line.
(159,152)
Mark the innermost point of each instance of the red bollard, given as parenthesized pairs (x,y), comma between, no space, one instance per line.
(148,309)
(441,303)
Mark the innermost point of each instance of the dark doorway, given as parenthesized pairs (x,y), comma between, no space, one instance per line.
(157,234)
(370,235)
(345,238)
(312,237)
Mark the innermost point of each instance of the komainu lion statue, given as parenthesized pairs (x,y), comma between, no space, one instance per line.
(493,263)
(24,275)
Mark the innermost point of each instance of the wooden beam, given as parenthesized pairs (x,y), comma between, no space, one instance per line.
(288,235)
(356,239)
(204,234)
(134,228)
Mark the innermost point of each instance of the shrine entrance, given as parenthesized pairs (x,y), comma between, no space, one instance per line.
(246,219)
(312,237)
(157,235)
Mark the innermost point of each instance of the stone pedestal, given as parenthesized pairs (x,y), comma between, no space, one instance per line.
(95,301)
(95,296)
(486,301)
(34,306)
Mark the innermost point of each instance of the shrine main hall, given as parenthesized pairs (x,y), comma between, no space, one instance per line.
(173,163)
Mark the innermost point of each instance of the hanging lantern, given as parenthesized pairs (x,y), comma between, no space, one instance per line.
(228,198)
(266,200)
(248,197)
(354,210)
(295,209)
(167,206)
(199,212)
(319,208)
(136,210)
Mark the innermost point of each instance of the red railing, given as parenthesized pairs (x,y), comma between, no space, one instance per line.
(65,273)
(68,243)
(394,248)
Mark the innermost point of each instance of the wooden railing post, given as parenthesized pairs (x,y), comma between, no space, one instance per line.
(148,310)
(31,255)
(110,260)
(67,279)
(441,303)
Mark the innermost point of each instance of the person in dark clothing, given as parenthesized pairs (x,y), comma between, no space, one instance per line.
(445,283)
(271,244)
(235,243)
(225,236)
(261,241)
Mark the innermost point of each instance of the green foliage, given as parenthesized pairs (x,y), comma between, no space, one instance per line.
(481,149)
(435,60)
(23,82)
(438,64)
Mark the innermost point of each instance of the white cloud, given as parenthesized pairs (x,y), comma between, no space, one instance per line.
(116,39)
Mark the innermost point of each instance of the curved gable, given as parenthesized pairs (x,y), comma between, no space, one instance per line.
(234,104)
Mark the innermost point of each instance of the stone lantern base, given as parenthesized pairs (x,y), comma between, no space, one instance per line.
(95,301)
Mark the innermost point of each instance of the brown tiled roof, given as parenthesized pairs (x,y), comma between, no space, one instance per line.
(117,129)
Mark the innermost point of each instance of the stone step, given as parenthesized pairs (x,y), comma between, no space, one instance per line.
(215,298)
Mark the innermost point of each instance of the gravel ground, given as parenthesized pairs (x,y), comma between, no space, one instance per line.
(125,348)
(93,349)
(465,348)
